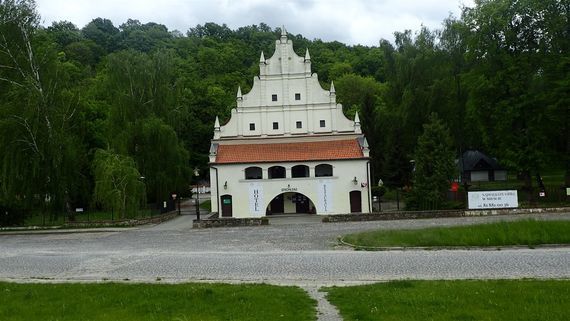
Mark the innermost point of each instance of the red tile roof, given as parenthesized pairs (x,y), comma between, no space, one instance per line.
(301,151)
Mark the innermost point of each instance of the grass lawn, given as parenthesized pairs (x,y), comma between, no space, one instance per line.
(140,302)
(525,232)
(520,300)
(207,205)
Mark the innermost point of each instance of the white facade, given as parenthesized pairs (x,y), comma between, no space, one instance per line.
(286,112)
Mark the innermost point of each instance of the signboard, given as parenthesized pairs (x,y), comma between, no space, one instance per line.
(567,191)
(324,201)
(493,199)
(256,204)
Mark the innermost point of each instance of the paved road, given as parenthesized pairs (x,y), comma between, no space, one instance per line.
(284,253)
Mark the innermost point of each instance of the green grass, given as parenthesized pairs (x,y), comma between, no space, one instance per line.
(207,205)
(525,232)
(521,300)
(140,302)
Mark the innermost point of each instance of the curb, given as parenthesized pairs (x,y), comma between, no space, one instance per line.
(443,248)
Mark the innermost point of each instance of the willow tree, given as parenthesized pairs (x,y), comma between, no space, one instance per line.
(118,183)
(41,155)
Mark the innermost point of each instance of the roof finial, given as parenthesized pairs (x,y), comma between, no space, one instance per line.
(332,91)
(357,128)
(239,95)
(217,124)
(262,58)
(283,31)
(307,56)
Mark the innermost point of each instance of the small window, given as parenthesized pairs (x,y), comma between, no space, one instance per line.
(299,124)
(251,126)
(276,172)
(275,125)
(300,171)
(253,173)
(297,96)
(322,123)
(323,170)
(274,97)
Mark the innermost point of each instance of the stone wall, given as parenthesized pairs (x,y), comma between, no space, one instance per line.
(123,223)
(230,222)
(409,215)
(387,216)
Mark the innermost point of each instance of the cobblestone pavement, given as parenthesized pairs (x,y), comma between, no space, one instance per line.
(282,253)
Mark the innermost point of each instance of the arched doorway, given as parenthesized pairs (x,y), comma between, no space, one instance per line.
(291,203)
(355,202)
(226,205)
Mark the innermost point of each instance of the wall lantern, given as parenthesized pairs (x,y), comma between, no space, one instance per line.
(226,185)
(355,181)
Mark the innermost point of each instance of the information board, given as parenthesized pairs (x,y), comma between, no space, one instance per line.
(493,199)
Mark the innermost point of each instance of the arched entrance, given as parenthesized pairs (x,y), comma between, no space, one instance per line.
(355,202)
(291,203)
(226,205)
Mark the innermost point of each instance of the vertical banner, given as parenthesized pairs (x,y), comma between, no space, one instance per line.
(325,201)
(256,204)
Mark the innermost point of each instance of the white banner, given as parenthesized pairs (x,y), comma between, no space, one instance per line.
(325,201)
(256,204)
(493,199)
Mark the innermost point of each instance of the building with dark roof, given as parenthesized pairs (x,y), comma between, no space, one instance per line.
(475,166)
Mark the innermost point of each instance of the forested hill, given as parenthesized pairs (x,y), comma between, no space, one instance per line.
(80,107)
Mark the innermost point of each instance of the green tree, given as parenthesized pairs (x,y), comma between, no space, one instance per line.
(41,152)
(434,165)
(118,185)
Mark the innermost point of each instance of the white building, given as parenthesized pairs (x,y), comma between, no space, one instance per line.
(288,148)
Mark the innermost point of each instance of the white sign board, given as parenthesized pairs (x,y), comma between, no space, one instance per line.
(493,199)
(325,202)
(256,204)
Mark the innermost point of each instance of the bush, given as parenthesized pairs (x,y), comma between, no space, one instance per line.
(378,190)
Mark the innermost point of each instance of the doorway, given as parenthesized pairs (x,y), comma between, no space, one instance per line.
(291,203)
(226,205)
(355,202)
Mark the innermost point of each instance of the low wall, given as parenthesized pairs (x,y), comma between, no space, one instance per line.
(388,216)
(229,222)
(126,223)
(410,215)
(510,211)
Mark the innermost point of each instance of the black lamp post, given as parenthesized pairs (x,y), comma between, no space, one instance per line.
(197,174)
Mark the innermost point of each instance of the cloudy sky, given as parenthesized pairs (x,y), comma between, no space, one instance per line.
(348,21)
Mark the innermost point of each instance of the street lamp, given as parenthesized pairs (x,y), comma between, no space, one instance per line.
(197,174)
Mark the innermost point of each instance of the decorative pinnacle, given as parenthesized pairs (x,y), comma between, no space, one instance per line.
(283,31)
(307,56)
(239,95)
(356,118)
(332,91)
(262,58)
(217,124)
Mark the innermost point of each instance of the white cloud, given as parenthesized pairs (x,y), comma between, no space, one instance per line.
(357,21)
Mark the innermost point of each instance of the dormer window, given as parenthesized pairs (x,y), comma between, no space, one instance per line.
(299,124)
(322,123)
(251,126)
(274,97)
(297,96)
(275,125)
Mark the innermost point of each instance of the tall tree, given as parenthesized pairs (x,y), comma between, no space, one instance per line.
(434,165)
(41,153)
